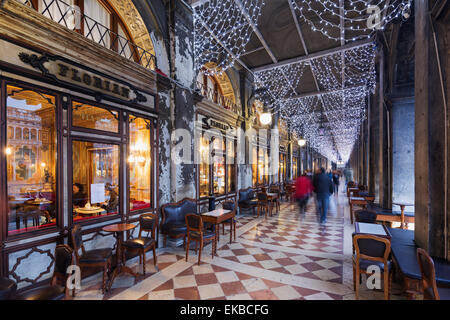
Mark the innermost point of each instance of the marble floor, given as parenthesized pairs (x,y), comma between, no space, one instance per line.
(288,256)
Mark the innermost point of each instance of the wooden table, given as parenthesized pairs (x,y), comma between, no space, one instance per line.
(402,205)
(118,230)
(271,196)
(95,211)
(216,217)
(359,201)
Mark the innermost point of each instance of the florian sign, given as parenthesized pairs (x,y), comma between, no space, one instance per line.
(81,77)
(209,123)
(68,73)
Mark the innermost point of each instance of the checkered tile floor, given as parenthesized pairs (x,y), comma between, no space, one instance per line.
(288,256)
(207,282)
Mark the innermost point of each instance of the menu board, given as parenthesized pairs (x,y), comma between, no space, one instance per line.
(98,193)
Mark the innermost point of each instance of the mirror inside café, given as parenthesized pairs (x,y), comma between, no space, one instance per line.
(31,146)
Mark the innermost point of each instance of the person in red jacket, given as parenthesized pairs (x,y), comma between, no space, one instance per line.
(303,189)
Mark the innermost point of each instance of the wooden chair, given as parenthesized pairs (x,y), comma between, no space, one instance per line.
(289,192)
(430,289)
(141,244)
(58,286)
(230,205)
(276,189)
(91,259)
(195,232)
(264,204)
(371,250)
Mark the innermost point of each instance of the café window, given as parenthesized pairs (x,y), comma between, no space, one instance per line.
(231,166)
(261,166)
(217,169)
(30,159)
(95,179)
(294,167)
(139,163)
(254,165)
(282,170)
(91,117)
(204,167)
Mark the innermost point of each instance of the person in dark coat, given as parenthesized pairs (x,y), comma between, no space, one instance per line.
(336,182)
(79,197)
(323,187)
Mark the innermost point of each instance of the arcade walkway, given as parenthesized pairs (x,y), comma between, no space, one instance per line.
(285,257)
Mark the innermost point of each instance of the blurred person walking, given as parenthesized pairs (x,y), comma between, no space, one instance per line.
(303,190)
(323,187)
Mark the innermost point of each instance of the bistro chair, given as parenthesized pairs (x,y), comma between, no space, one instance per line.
(57,289)
(264,204)
(365,216)
(371,250)
(229,205)
(92,258)
(196,232)
(141,244)
(430,289)
(8,288)
(289,192)
(276,189)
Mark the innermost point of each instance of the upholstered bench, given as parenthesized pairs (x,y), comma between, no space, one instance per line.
(173,222)
(404,253)
(247,200)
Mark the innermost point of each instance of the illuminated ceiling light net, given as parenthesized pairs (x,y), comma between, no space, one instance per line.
(329,121)
(361,18)
(222,31)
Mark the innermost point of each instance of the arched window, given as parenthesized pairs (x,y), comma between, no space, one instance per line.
(210,87)
(18,133)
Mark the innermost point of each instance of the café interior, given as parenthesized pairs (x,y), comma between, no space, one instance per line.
(175,150)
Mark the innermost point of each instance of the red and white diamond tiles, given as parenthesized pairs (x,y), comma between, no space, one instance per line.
(287,256)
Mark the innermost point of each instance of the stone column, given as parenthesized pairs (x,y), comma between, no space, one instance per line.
(431,173)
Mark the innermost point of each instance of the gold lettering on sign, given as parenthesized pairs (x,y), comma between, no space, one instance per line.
(87,79)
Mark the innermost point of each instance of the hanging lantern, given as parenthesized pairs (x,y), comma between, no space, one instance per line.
(265,118)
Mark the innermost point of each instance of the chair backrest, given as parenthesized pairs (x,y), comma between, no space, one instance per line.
(77,241)
(262,197)
(175,212)
(365,216)
(194,222)
(147,223)
(63,259)
(426,266)
(246,194)
(371,247)
(229,205)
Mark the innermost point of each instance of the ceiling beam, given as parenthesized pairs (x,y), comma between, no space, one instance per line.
(315,55)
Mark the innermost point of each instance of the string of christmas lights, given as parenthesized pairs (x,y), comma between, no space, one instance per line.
(330,121)
(361,18)
(221,32)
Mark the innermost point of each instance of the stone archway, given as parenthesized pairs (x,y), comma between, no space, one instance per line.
(224,82)
(135,24)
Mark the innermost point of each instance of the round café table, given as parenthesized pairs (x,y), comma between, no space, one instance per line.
(118,229)
(402,206)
